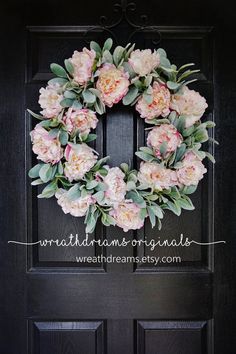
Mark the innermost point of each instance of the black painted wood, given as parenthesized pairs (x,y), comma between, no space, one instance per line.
(51,304)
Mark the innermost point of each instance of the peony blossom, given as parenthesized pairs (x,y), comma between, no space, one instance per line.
(46,147)
(49,100)
(83,65)
(116,186)
(192,170)
(190,104)
(156,176)
(144,61)
(127,215)
(160,104)
(80,159)
(113,84)
(77,207)
(164,133)
(82,120)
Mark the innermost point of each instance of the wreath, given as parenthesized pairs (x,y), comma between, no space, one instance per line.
(171,166)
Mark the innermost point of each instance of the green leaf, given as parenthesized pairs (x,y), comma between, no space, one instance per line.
(63,137)
(201,135)
(152,216)
(74,192)
(58,80)
(99,107)
(180,123)
(70,94)
(125,167)
(136,198)
(144,156)
(96,47)
(185,66)
(130,185)
(107,57)
(103,171)
(60,168)
(186,203)
(161,52)
(99,196)
(66,102)
(128,68)
(100,163)
(49,190)
(88,96)
(35,115)
(210,157)
(108,220)
(189,189)
(147,97)
(45,172)
(117,55)
(173,85)
(36,182)
(58,70)
(91,224)
(157,211)
(91,184)
(180,152)
(108,44)
(174,207)
(77,104)
(91,137)
(34,171)
(143,213)
(130,96)
(69,66)
(163,148)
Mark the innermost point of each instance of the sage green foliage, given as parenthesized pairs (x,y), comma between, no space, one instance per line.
(153,203)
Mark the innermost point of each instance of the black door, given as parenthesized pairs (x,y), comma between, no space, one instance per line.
(52,304)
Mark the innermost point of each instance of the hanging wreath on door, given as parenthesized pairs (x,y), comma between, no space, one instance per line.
(171,166)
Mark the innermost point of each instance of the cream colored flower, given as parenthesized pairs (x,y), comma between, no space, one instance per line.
(77,207)
(190,104)
(127,215)
(113,84)
(80,159)
(192,170)
(116,186)
(82,120)
(144,61)
(49,100)
(83,65)
(46,147)
(156,176)
(159,106)
(164,133)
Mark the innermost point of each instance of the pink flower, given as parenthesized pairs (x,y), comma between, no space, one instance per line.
(192,170)
(82,120)
(49,99)
(116,186)
(80,159)
(46,147)
(164,133)
(144,61)
(190,104)
(160,104)
(113,84)
(83,65)
(156,176)
(127,215)
(77,207)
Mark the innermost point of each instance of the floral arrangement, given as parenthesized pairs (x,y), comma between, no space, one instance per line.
(171,166)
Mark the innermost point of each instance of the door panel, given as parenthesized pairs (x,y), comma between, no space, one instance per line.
(53,304)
